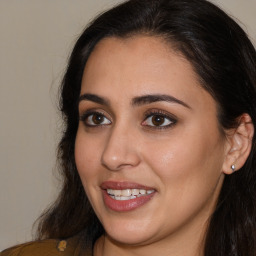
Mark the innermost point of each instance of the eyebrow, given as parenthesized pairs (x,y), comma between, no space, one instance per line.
(147,99)
(94,98)
(137,101)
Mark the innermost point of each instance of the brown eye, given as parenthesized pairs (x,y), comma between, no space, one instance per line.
(95,119)
(157,120)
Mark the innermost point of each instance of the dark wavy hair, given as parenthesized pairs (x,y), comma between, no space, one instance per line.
(225,61)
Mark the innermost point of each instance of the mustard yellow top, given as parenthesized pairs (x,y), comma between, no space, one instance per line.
(48,247)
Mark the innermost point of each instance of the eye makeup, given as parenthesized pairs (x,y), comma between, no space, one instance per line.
(158,119)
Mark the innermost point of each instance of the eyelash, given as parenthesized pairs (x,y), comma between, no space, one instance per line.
(149,114)
(84,118)
(162,114)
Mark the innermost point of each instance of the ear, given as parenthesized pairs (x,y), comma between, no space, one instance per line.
(239,144)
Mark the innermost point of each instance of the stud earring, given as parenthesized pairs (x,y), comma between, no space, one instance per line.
(233,167)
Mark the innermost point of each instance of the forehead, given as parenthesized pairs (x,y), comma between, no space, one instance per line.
(140,65)
(135,53)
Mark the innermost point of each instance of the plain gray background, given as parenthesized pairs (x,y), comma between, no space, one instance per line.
(36,39)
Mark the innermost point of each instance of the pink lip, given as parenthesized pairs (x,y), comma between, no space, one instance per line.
(125,205)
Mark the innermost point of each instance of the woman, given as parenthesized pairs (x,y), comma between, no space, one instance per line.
(158,154)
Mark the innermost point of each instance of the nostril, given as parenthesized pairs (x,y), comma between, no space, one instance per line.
(115,162)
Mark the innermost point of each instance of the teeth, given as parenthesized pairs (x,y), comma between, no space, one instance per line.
(117,192)
(127,194)
(150,191)
(143,191)
(135,192)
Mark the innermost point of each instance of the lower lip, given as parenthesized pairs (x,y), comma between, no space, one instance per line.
(125,205)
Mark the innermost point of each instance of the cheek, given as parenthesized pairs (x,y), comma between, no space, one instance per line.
(86,157)
(188,170)
(182,160)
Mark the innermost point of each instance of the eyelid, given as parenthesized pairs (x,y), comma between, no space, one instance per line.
(164,114)
(85,114)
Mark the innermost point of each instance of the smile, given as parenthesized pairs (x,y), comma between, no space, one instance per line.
(128,194)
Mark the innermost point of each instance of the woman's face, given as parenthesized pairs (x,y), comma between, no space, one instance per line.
(149,150)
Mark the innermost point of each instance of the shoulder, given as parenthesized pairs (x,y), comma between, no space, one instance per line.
(46,247)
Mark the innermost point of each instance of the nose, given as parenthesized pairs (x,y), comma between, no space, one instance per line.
(120,150)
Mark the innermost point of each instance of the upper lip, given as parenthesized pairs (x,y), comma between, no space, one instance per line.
(117,185)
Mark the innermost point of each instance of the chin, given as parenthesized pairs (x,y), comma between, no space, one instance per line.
(132,239)
(135,232)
